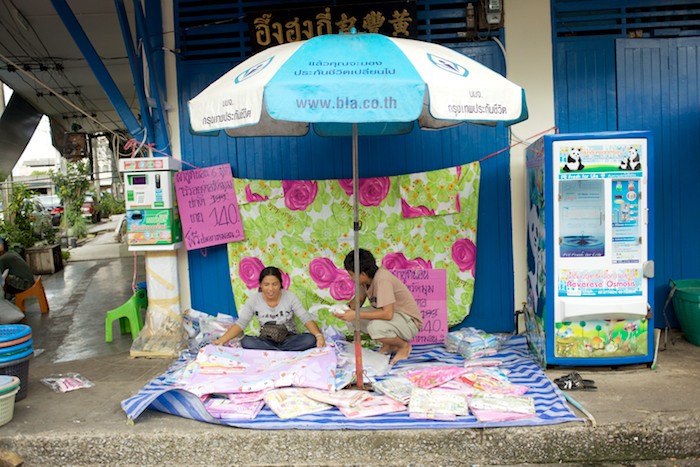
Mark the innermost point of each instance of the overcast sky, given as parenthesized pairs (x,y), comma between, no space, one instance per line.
(39,146)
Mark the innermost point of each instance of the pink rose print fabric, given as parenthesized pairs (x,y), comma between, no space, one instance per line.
(327,275)
(253,197)
(464,254)
(305,227)
(249,270)
(371,191)
(430,194)
(299,194)
(393,261)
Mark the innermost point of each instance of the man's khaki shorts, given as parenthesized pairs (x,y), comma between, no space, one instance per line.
(401,326)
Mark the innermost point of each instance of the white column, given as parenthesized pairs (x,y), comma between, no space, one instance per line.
(163,335)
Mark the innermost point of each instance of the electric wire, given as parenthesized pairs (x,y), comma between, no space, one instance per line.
(60,97)
(35,56)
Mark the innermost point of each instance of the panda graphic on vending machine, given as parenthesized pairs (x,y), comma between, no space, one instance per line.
(631,162)
(573,160)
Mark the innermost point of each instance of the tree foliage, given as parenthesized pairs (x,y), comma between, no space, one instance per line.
(25,224)
(71,188)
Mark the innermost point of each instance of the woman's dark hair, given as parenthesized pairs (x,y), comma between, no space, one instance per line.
(368,264)
(270,271)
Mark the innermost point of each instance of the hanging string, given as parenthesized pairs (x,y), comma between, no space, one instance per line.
(137,146)
(554,128)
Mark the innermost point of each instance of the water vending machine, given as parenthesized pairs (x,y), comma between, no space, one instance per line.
(589,254)
(152,217)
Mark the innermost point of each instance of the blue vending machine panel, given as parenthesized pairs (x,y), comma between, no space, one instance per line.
(589,249)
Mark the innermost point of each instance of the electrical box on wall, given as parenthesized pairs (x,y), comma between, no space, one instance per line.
(490,14)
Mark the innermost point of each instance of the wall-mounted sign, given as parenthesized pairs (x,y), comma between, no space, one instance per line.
(208,206)
(275,27)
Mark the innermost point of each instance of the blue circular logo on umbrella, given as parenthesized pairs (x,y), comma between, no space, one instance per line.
(448,65)
(253,70)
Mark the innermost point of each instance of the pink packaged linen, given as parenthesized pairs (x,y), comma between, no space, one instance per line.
(226,409)
(459,386)
(342,398)
(264,370)
(484,403)
(495,416)
(216,360)
(492,380)
(438,404)
(431,377)
(243,397)
(373,405)
(291,403)
(396,387)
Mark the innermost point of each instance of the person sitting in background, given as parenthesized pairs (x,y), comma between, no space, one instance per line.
(394,317)
(19,276)
(274,304)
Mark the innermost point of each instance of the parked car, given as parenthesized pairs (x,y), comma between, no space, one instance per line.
(56,214)
(90,210)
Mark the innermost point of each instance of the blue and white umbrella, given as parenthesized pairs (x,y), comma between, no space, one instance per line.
(355,84)
(381,83)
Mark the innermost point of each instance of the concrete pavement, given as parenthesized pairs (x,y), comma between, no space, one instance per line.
(640,414)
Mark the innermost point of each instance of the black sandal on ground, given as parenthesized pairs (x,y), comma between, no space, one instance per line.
(573,381)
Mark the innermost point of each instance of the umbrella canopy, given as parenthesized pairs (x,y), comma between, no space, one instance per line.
(383,84)
(355,84)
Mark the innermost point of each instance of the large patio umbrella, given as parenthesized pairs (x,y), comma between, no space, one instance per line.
(355,84)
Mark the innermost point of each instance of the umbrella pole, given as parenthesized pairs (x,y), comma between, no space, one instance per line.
(356,239)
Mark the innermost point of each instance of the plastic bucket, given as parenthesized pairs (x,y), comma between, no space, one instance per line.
(7,406)
(20,369)
(686,302)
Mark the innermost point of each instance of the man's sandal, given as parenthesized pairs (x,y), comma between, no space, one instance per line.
(573,381)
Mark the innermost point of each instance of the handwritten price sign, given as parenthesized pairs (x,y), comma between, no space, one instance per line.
(208,207)
(429,288)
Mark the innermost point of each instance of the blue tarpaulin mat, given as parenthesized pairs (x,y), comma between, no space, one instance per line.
(162,395)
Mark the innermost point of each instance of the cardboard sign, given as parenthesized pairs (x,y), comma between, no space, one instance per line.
(429,288)
(208,207)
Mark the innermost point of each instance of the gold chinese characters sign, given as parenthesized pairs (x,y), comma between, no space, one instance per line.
(275,27)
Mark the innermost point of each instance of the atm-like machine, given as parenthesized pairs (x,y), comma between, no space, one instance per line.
(153,226)
(590,249)
(152,217)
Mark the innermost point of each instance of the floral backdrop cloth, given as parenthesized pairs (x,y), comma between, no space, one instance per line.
(305,227)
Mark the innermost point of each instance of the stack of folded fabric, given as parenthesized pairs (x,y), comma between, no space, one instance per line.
(472,343)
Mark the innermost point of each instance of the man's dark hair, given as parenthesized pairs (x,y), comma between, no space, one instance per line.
(368,264)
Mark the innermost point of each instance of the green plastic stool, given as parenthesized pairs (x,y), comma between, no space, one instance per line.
(129,316)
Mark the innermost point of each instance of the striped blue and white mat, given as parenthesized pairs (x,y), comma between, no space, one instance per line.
(161,395)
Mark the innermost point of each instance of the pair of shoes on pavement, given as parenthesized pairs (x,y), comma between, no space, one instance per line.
(574,382)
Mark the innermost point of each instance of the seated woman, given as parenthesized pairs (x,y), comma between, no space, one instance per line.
(274,304)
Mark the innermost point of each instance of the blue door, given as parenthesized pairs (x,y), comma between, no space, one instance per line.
(658,89)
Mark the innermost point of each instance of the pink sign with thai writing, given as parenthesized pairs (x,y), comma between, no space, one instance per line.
(429,288)
(208,207)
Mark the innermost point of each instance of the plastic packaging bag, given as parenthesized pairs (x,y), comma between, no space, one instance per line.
(473,343)
(67,382)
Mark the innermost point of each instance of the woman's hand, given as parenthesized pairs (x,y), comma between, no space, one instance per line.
(320,341)
(219,341)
